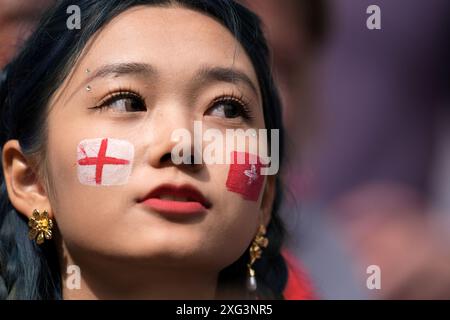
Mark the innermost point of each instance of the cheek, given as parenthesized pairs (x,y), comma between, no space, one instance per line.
(244,176)
(233,231)
(76,168)
(104,161)
(238,204)
(82,170)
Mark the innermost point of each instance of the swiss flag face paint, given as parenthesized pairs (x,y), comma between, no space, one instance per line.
(104,161)
(245,178)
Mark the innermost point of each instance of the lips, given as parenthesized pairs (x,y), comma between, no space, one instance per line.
(176,200)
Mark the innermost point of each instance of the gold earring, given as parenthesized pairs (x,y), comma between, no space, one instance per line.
(40,226)
(255,253)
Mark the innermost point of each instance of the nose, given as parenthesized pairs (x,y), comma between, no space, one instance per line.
(167,147)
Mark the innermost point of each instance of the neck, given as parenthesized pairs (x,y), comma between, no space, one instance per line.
(135,280)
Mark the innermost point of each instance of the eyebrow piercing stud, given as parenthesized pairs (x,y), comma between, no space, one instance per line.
(88,88)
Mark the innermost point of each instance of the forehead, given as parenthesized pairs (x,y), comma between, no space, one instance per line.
(171,38)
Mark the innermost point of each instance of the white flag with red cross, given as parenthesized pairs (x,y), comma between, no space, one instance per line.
(104,161)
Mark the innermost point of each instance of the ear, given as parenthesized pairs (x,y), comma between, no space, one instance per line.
(24,187)
(267,199)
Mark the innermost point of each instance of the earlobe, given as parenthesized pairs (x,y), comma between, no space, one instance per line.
(25,190)
(268,199)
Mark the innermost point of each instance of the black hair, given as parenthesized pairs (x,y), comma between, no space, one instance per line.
(29,271)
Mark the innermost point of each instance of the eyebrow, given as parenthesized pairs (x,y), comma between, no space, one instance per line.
(119,69)
(205,73)
(229,75)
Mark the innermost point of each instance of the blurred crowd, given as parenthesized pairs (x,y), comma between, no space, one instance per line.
(367,119)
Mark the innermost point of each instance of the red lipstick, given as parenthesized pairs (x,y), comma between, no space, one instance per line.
(176,200)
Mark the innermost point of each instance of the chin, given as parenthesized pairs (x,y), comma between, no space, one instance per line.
(169,247)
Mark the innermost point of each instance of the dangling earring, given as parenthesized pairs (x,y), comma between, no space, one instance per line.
(255,253)
(40,226)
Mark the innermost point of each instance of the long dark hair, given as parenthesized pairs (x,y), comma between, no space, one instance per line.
(28,271)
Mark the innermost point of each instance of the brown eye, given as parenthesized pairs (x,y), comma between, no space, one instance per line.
(228,108)
(124,102)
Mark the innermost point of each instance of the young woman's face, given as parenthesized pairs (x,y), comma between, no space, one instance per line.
(164,70)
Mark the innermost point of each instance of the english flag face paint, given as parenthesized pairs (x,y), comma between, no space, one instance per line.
(245,178)
(104,161)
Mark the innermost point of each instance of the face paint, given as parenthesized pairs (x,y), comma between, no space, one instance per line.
(245,178)
(104,161)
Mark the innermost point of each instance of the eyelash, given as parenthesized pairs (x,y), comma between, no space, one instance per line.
(115,96)
(239,101)
(232,98)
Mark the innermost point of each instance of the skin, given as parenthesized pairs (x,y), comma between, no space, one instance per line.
(123,249)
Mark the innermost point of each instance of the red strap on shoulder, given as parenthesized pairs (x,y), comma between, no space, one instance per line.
(298,286)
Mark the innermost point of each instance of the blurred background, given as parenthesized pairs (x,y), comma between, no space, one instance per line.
(17,20)
(367,114)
